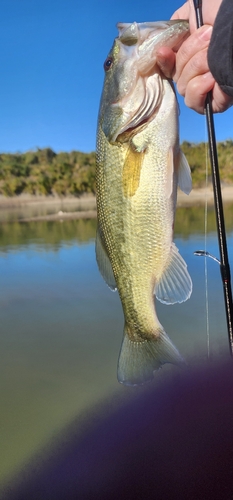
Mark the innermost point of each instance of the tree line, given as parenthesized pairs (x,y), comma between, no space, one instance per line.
(198,155)
(44,172)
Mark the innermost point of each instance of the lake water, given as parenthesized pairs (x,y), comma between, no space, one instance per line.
(61,327)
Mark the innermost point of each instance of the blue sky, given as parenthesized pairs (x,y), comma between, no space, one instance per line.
(51,60)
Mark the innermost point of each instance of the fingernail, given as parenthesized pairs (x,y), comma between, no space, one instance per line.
(206,33)
(207,75)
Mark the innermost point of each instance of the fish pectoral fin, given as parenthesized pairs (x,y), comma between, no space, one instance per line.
(104,263)
(184,174)
(131,171)
(138,360)
(175,284)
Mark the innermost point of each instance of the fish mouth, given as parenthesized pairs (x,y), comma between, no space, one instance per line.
(139,100)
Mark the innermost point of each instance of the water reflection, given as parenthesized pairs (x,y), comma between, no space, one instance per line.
(54,234)
(11,212)
(47,234)
(190,221)
(62,326)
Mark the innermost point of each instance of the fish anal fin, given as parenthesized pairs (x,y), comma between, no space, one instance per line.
(184,173)
(104,263)
(138,360)
(175,284)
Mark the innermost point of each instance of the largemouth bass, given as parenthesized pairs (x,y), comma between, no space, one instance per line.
(139,165)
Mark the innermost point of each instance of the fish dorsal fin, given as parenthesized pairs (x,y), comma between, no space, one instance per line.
(104,263)
(175,284)
(184,174)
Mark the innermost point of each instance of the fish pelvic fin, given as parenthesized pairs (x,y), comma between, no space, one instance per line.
(139,359)
(104,263)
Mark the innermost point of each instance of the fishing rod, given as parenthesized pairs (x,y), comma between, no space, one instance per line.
(223,262)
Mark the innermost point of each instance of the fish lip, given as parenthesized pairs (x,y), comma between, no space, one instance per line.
(145,26)
(152,24)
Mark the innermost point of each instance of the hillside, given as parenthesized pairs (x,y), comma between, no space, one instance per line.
(44,172)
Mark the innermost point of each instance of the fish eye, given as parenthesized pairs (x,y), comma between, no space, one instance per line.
(108,63)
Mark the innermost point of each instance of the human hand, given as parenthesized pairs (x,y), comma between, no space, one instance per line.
(189,67)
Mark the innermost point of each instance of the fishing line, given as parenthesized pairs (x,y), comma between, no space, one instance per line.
(204,253)
(224,263)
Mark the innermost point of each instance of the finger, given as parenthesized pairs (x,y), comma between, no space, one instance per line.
(196,91)
(198,65)
(166,59)
(195,43)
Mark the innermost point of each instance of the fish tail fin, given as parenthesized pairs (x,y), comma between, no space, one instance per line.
(139,359)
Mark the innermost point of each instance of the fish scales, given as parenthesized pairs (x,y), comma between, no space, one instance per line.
(136,179)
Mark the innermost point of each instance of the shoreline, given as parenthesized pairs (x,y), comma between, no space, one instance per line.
(23,200)
(199,196)
(85,206)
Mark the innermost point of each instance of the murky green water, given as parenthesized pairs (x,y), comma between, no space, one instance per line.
(61,327)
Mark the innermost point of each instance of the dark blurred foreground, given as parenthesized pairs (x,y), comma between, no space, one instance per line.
(172,441)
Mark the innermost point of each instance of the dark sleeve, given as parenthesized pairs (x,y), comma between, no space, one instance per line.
(220,52)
